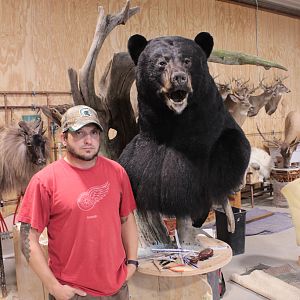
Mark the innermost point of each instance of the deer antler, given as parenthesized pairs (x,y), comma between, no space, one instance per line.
(242,90)
(266,140)
(253,89)
(279,79)
(264,86)
(294,144)
(244,84)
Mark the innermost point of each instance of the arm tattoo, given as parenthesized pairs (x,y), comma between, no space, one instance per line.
(124,220)
(24,234)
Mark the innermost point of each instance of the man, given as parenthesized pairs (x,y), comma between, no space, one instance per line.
(87,205)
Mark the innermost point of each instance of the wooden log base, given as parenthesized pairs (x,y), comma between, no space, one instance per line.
(151,283)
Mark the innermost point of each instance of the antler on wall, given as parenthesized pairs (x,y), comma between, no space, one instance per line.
(237,58)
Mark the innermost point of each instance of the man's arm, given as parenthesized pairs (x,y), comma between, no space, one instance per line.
(34,255)
(130,241)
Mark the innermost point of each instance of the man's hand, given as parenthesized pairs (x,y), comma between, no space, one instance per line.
(65,292)
(130,271)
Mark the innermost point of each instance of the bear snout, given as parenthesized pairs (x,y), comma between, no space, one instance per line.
(179,78)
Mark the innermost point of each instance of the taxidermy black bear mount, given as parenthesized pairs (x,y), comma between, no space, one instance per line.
(189,153)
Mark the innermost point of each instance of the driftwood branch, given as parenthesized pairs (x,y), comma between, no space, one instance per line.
(77,97)
(116,82)
(105,24)
(113,102)
(55,112)
(237,58)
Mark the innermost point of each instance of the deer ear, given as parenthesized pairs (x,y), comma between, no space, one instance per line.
(205,41)
(136,45)
(234,98)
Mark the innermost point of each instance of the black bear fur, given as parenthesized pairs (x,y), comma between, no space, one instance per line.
(190,153)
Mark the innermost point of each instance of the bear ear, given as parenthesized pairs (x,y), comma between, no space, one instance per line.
(136,45)
(205,41)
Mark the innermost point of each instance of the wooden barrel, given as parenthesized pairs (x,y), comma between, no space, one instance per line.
(280,178)
(149,283)
(149,287)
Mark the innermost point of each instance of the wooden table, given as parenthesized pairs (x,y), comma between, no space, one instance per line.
(150,283)
(258,189)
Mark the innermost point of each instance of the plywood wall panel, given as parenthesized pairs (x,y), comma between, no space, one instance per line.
(135,22)
(41,39)
(204,16)
(162,18)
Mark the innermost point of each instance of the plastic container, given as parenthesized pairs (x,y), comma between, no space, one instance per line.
(235,240)
(30,118)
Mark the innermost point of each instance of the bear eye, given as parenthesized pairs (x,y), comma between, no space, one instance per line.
(162,63)
(187,61)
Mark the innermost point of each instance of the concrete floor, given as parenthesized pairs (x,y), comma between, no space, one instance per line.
(274,250)
(9,264)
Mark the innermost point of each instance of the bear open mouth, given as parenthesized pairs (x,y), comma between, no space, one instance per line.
(177,100)
(177,96)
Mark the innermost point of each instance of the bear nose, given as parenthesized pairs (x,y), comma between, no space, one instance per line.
(179,78)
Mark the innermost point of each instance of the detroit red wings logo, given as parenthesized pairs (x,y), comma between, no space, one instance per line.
(87,200)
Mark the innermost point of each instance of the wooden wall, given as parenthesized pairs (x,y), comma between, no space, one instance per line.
(40,39)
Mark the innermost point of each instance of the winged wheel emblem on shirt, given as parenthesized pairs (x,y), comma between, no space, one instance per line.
(87,200)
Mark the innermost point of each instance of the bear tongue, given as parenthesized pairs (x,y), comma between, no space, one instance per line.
(177,96)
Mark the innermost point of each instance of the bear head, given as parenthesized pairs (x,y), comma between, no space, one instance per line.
(172,68)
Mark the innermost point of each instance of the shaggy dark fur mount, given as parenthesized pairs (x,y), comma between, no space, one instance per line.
(190,152)
(24,150)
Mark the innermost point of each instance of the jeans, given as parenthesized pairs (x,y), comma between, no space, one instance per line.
(122,294)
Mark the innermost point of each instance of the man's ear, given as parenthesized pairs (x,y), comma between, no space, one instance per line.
(63,138)
(136,45)
(206,42)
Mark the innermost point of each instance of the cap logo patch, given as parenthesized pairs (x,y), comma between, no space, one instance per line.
(85,112)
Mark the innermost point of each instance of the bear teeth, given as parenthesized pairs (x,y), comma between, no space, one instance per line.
(176,102)
(177,107)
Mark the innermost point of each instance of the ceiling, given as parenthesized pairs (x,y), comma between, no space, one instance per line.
(290,7)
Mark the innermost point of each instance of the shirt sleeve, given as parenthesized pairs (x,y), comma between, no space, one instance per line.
(35,206)
(127,199)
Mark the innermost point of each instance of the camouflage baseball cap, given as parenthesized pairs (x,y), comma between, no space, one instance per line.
(78,116)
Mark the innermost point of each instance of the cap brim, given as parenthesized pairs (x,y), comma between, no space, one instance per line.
(76,127)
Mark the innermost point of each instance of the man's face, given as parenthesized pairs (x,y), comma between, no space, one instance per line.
(84,144)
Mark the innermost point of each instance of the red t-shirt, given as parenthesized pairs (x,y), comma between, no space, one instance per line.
(81,209)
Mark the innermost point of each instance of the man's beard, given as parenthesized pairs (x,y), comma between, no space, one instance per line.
(87,157)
